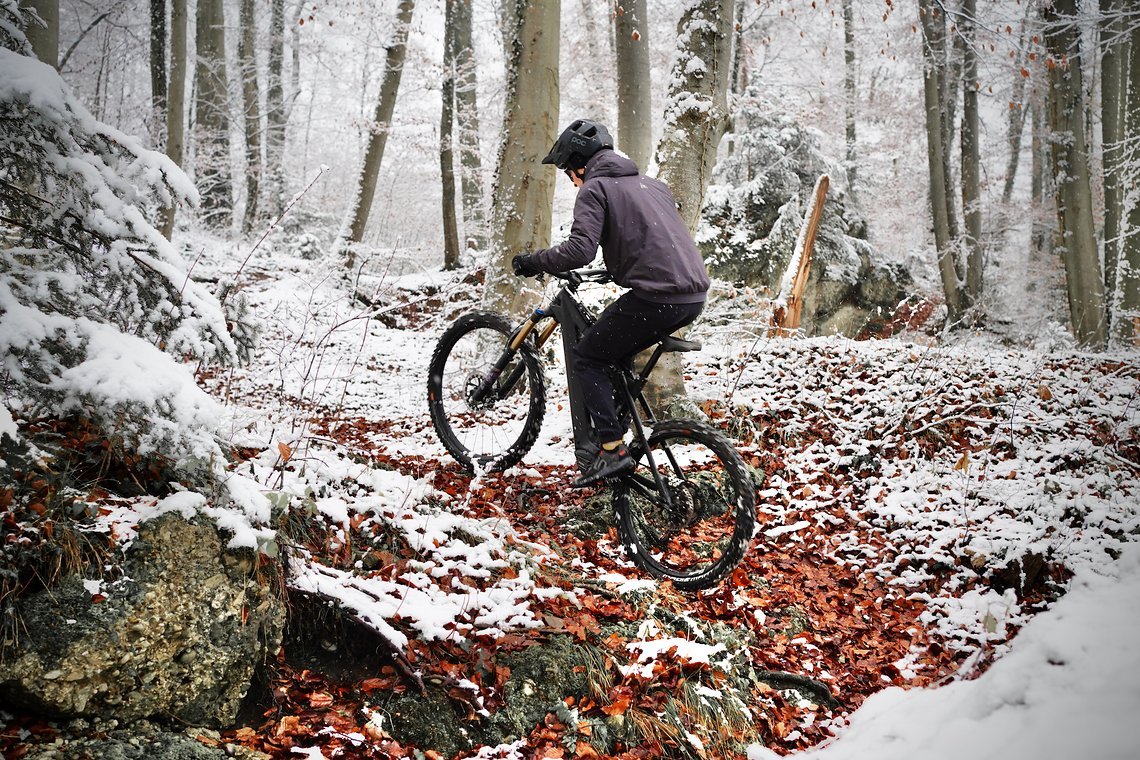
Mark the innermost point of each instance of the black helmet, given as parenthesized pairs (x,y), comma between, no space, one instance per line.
(577,143)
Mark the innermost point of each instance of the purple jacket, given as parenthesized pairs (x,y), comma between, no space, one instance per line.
(646,246)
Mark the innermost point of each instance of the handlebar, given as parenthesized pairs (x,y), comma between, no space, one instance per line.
(576,277)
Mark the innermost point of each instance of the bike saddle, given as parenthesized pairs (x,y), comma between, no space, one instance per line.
(672,343)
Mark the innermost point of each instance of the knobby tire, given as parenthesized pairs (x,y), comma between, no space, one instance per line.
(713,512)
(498,433)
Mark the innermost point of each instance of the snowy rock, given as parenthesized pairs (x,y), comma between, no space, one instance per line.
(178,634)
(753,214)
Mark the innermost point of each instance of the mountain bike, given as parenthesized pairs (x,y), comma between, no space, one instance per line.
(685,512)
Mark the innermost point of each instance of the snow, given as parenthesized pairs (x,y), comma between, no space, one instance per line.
(1065,689)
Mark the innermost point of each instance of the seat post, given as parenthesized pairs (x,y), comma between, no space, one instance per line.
(649,365)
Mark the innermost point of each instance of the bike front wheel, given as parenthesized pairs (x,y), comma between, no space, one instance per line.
(702,530)
(486,401)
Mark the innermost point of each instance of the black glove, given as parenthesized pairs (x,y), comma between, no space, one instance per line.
(523,265)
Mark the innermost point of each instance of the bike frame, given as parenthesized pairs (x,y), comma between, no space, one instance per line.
(567,312)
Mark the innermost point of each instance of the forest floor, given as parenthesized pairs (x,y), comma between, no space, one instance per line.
(922,500)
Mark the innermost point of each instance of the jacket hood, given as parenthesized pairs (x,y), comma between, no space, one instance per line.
(609,163)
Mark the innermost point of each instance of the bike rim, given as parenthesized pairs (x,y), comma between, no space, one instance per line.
(484,432)
(698,533)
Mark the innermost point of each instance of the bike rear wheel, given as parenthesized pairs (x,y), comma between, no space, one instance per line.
(486,402)
(706,528)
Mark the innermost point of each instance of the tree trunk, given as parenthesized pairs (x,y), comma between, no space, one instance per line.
(467,113)
(941,211)
(1114,86)
(212,117)
(696,111)
(446,161)
(631,43)
(971,161)
(524,190)
(176,99)
(44,39)
(696,118)
(851,95)
(381,122)
(739,81)
(1041,189)
(1066,106)
(251,102)
(1015,118)
(275,115)
(1126,326)
(158,69)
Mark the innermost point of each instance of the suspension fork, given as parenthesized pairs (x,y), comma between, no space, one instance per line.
(521,333)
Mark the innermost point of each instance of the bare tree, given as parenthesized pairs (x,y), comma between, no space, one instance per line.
(176,99)
(851,95)
(1126,324)
(158,67)
(212,117)
(467,116)
(446,154)
(696,111)
(275,112)
(381,122)
(970,159)
(44,37)
(941,199)
(696,118)
(631,44)
(524,189)
(1069,150)
(251,108)
(1114,50)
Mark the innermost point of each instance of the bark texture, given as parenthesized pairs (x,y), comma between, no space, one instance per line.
(1069,150)
(381,122)
(212,117)
(524,190)
(696,118)
(251,105)
(176,99)
(631,45)
(933,88)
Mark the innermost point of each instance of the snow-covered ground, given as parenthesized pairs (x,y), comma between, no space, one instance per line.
(997,454)
(1067,688)
(931,464)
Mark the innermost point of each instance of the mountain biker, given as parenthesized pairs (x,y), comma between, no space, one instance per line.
(646,247)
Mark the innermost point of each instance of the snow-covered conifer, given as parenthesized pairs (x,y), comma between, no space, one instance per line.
(96,306)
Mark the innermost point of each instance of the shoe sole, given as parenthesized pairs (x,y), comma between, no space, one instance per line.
(605,475)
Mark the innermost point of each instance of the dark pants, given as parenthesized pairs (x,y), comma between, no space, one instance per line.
(627,326)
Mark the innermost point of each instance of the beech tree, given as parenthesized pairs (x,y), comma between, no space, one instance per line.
(935,72)
(1126,323)
(378,129)
(158,67)
(251,108)
(696,118)
(44,37)
(176,100)
(212,117)
(446,154)
(524,187)
(276,115)
(1069,153)
(631,45)
(1114,62)
(467,122)
(970,155)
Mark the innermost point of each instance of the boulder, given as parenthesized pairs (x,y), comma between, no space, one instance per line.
(176,633)
(755,208)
